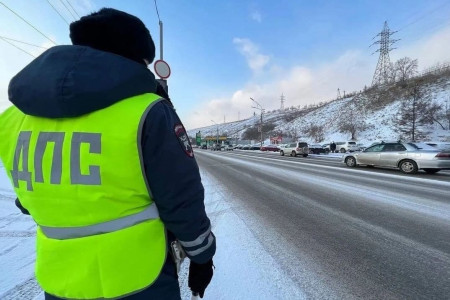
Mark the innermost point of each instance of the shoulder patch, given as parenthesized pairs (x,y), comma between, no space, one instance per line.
(183,138)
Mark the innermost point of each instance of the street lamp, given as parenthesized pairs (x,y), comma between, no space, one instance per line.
(262,111)
(217,138)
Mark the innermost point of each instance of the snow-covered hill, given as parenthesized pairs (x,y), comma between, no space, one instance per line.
(378,107)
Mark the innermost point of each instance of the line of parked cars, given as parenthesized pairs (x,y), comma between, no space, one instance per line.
(408,157)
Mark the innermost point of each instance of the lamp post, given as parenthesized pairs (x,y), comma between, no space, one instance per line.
(262,111)
(217,137)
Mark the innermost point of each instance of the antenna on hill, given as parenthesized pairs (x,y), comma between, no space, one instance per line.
(383,69)
(282,102)
(339,93)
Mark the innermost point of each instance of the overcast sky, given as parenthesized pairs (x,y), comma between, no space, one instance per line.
(221,53)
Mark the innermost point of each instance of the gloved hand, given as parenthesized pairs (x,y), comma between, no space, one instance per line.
(200,276)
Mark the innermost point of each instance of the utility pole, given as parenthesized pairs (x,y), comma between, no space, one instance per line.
(383,69)
(339,93)
(262,112)
(161,40)
(217,136)
(162,69)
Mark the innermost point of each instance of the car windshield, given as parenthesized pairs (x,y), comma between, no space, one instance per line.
(375,148)
(352,143)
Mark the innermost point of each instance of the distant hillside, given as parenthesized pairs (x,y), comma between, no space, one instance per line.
(378,113)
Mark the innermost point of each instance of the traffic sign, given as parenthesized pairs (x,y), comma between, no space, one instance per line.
(162,69)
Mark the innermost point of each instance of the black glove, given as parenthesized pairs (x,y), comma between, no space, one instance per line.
(200,276)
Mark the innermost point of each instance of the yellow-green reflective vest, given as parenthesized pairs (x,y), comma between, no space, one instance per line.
(82,180)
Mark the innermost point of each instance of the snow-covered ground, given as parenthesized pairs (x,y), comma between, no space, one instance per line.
(243,268)
(379,121)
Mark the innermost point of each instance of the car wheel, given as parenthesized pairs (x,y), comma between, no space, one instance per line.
(305,155)
(293,153)
(408,166)
(350,161)
(281,152)
(431,171)
(342,150)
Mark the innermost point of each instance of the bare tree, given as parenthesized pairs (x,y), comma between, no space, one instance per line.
(392,72)
(316,132)
(405,68)
(352,120)
(415,112)
(447,112)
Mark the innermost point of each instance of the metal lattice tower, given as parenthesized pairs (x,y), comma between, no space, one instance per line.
(383,70)
(282,102)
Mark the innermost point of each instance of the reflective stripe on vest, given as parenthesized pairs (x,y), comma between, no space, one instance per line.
(64,233)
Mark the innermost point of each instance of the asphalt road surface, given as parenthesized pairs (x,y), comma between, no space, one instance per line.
(339,232)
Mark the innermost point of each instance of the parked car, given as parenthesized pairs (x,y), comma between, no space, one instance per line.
(273,148)
(349,146)
(255,147)
(229,147)
(204,146)
(317,149)
(216,147)
(246,147)
(294,149)
(409,157)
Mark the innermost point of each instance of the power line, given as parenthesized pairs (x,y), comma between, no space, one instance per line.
(157,12)
(7,38)
(73,9)
(67,9)
(28,23)
(17,47)
(424,15)
(58,12)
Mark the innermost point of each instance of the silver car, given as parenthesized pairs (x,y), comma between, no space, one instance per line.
(409,157)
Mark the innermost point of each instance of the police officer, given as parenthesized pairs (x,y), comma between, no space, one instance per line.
(104,166)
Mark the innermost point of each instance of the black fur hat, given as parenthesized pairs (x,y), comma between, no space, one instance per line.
(114,31)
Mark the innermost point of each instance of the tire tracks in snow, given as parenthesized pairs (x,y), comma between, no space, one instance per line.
(28,289)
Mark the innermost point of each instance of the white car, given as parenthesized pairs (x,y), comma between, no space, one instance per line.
(343,147)
(294,149)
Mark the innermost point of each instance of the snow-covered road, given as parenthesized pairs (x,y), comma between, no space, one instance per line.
(343,233)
